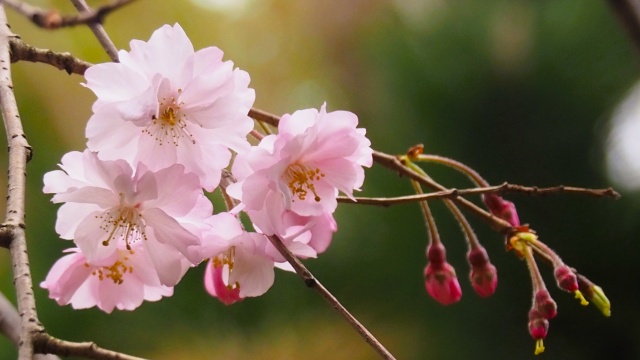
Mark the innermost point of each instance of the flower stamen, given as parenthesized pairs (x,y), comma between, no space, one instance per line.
(300,180)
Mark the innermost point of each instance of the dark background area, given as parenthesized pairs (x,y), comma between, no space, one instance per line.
(522,91)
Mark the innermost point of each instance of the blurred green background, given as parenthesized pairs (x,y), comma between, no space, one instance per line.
(523,91)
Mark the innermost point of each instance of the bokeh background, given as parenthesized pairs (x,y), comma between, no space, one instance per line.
(523,91)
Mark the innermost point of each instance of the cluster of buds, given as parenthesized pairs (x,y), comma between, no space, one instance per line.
(525,243)
(440,277)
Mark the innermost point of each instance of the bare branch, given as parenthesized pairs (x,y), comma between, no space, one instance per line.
(47,344)
(19,154)
(98,31)
(51,19)
(264,116)
(313,283)
(502,189)
(63,61)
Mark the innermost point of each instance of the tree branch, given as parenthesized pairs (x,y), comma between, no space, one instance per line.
(502,189)
(313,283)
(51,19)
(19,154)
(63,61)
(45,343)
(98,31)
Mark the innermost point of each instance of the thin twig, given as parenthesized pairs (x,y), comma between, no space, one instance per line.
(52,19)
(98,31)
(501,189)
(393,163)
(63,61)
(264,116)
(19,155)
(313,283)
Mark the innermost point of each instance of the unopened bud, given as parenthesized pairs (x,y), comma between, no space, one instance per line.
(565,278)
(545,305)
(538,328)
(442,284)
(505,210)
(483,275)
(595,295)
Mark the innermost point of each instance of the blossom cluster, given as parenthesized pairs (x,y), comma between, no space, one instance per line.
(166,123)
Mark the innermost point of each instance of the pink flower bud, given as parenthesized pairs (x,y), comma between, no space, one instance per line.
(442,284)
(436,254)
(538,325)
(545,305)
(483,275)
(505,210)
(565,278)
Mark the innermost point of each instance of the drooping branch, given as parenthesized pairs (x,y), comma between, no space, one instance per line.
(313,283)
(52,19)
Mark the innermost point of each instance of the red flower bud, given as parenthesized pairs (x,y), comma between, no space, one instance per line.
(505,210)
(442,284)
(565,278)
(545,305)
(483,275)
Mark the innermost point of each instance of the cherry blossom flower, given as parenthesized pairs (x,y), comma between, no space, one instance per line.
(301,169)
(239,266)
(107,204)
(164,104)
(122,280)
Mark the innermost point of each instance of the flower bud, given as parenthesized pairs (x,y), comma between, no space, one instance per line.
(545,305)
(505,210)
(442,284)
(436,254)
(538,328)
(595,295)
(483,275)
(565,278)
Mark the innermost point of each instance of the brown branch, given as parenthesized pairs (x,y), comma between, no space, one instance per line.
(98,31)
(47,344)
(628,13)
(313,283)
(502,189)
(264,116)
(51,19)
(63,61)
(19,155)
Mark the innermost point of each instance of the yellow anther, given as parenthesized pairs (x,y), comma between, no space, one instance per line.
(579,296)
(539,347)
(527,237)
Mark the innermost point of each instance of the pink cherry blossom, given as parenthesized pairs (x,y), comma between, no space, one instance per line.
(301,169)
(107,205)
(239,266)
(164,104)
(122,280)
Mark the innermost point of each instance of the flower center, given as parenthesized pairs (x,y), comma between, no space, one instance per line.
(123,222)
(114,272)
(226,258)
(300,180)
(170,126)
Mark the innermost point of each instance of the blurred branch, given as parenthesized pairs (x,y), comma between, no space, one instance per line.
(313,283)
(51,18)
(19,155)
(502,189)
(63,61)
(628,13)
(10,326)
